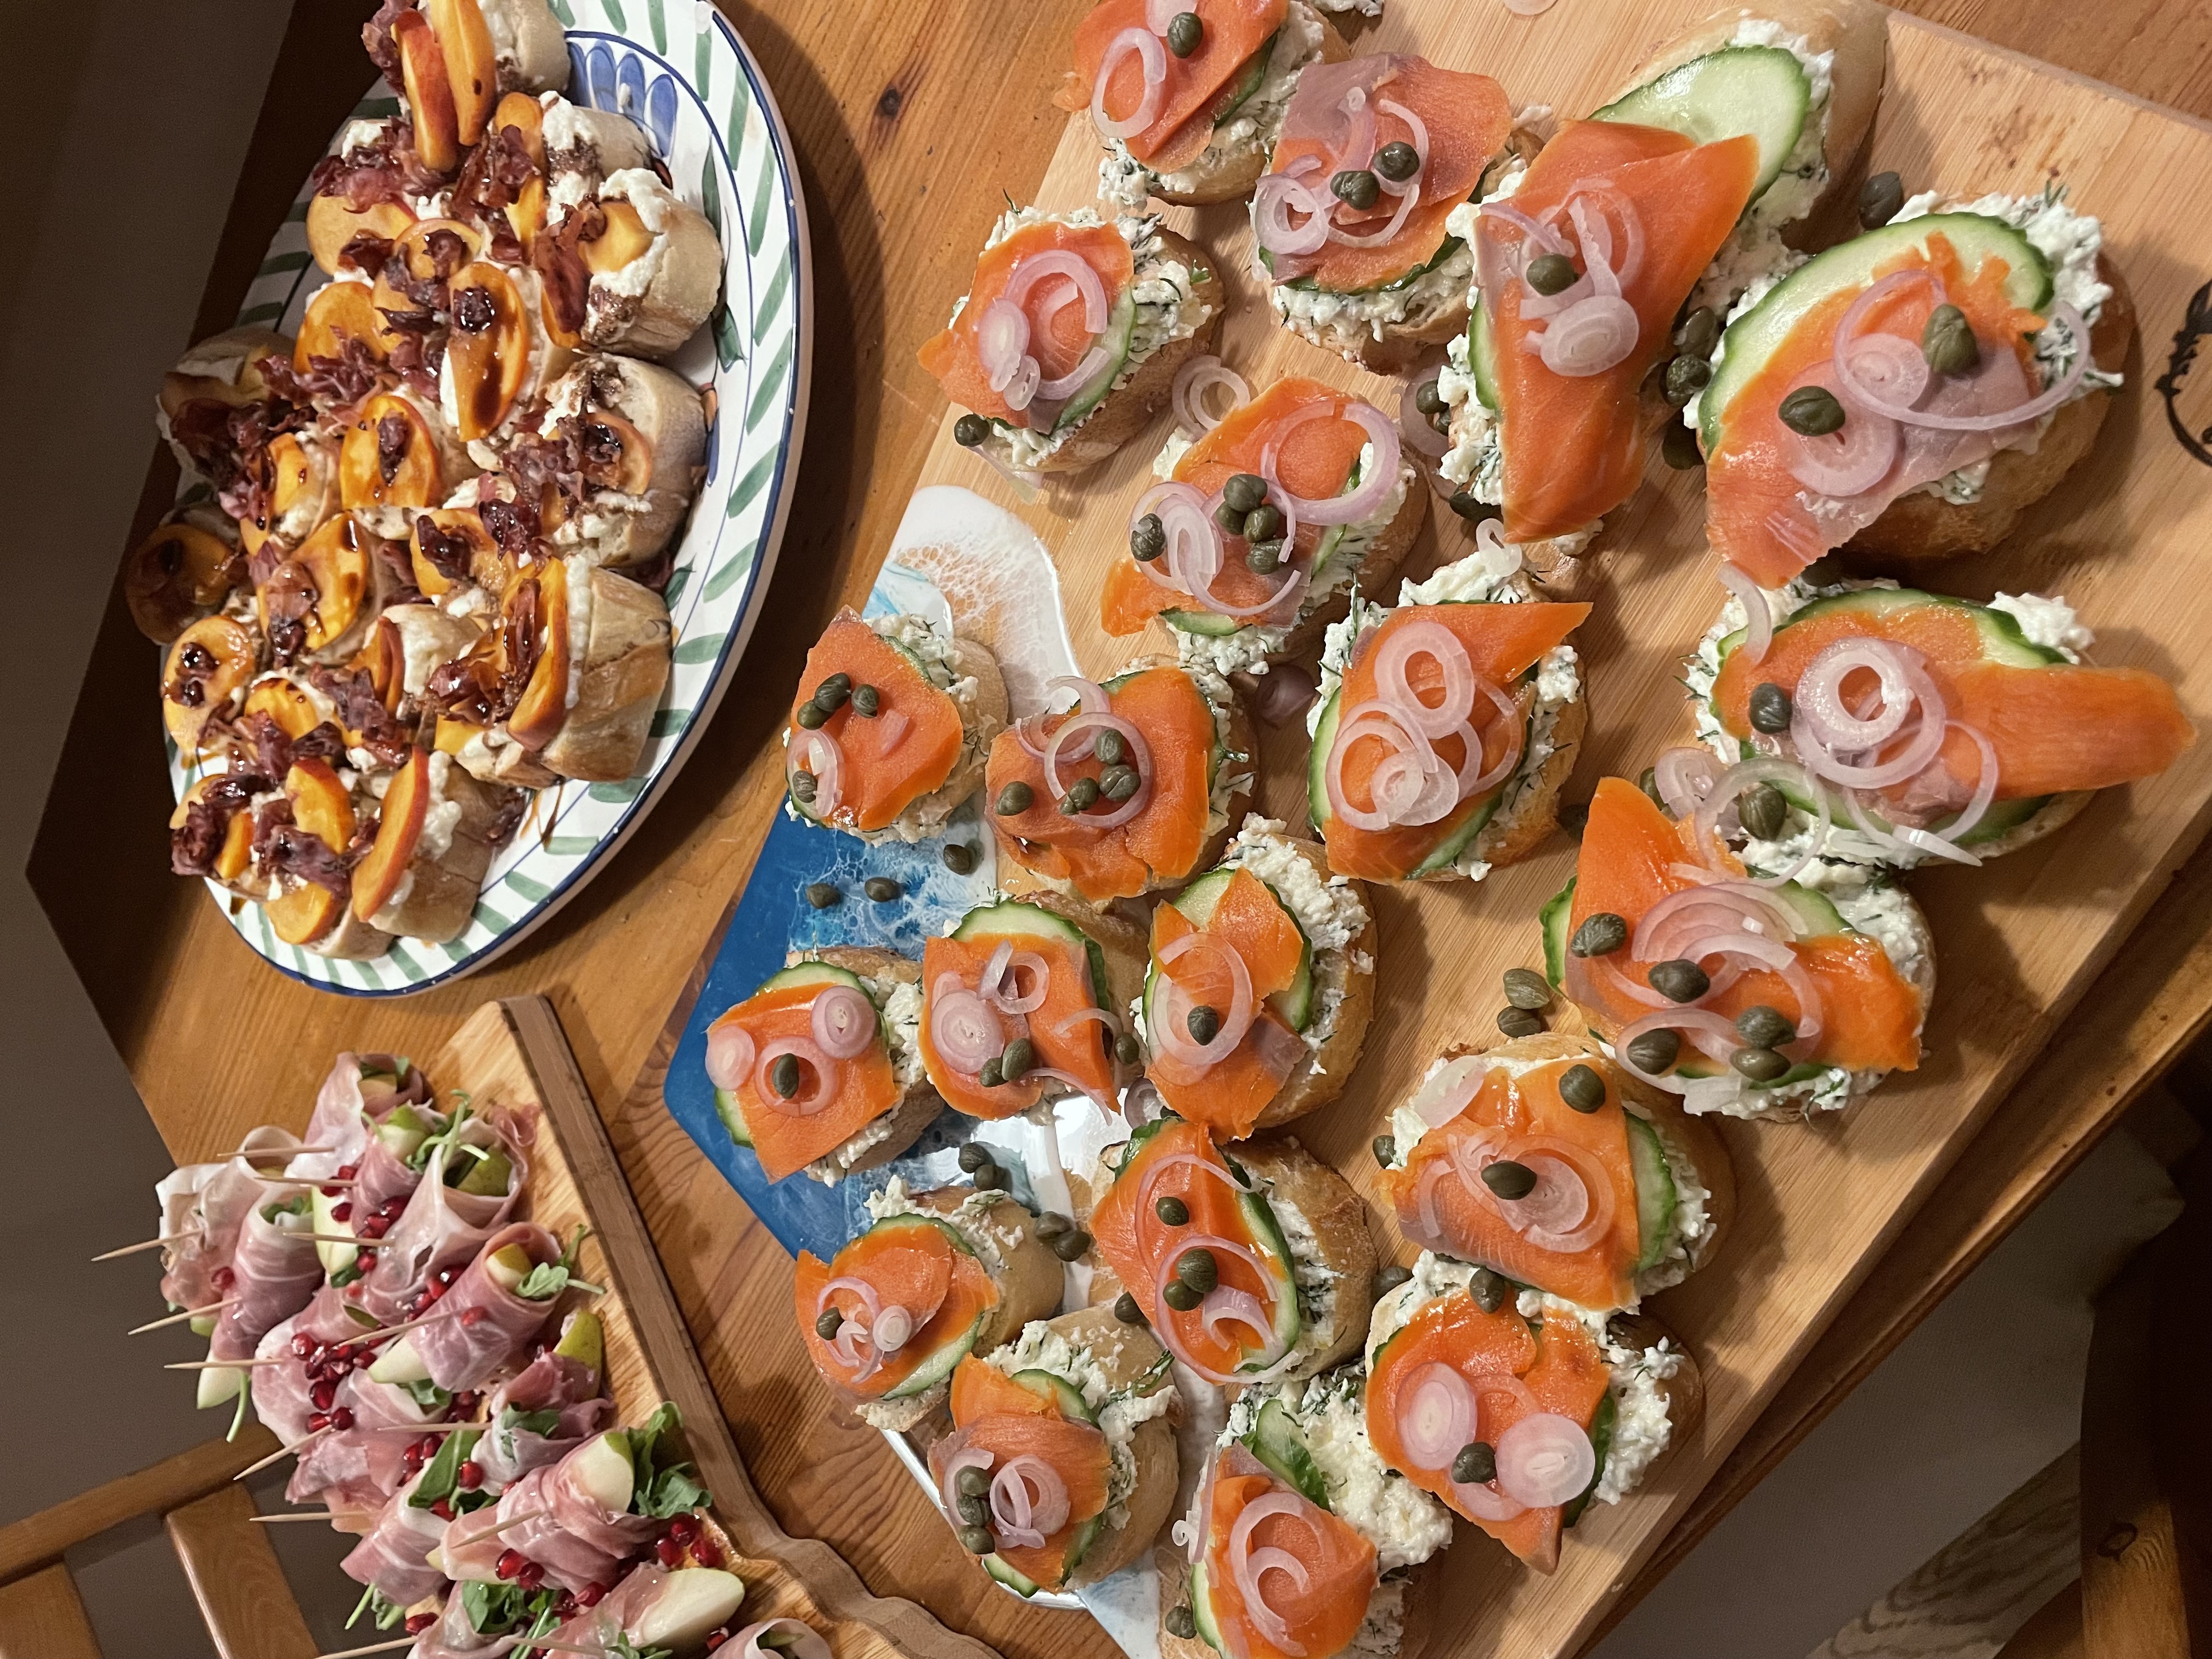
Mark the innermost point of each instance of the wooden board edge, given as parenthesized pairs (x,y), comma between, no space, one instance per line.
(1901,19)
(674,1358)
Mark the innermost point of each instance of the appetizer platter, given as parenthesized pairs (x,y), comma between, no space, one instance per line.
(1590,723)
(510,1449)
(481,495)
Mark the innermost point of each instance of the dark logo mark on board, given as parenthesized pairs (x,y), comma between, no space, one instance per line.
(2196,325)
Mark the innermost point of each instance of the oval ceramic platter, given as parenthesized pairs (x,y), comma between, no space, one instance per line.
(680,72)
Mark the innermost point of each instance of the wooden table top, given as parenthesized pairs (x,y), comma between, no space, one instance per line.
(902,165)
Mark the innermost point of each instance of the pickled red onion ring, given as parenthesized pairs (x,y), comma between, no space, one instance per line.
(817,752)
(1436,1413)
(1766,768)
(1759,614)
(858,1287)
(1545,1460)
(895,725)
(1869,395)
(843,1021)
(1021,1518)
(799,1105)
(1002,340)
(1244,1570)
(1030,269)
(1427,637)
(1702,1024)
(1193,381)
(1685,775)
(1572,1205)
(1273,200)
(1375,486)
(1590,336)
(1154,58)
(1849,461)
(730,1051)
(964,1028)
(1225,1306)
(1419,130)
(1171,1036)
(1535,230)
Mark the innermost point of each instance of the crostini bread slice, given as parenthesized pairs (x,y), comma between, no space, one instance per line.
(1378,567)
(625,525)
(532,47)
(652,302)
(1320,1074)
(624,655)
(224,368)
(1326,1212)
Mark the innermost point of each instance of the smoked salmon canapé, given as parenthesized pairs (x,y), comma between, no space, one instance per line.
(890,725)
(1070,336)
(1516,1409)
(1248,1267)
(1582,260)
(1545,1161)
(934,1277)
(1129,789)
(1752,996)
(1249,545)
(1909,393)
(820,1070)
(1294,1473)
(1349,224)
(1866,723)
(1261,986)
(1027,1001)
(1445,728)
(1062,1465)
(1186,105)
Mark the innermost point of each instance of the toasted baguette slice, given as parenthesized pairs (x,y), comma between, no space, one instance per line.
(621,528)
(439,891)
(1322,1207)
(531,46)
(653,305)
(625,656)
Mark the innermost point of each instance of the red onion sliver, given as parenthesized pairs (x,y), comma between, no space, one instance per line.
(1002,989)
(1419,130)
(1375,486)
(1696,1022)
(1273,200)
(817,752)
(1685,776)
(1436,1413)
(1536,231)
(1545,1460)
(1849,461)
(1530,7)
(844,1021)
(1022,1518)
(1197,377)
(1590,336)
(813,1099)
(1572,1207)
(1032,268)
(1868,395)
(1244,1571)
(1154,58)
(965,1030)
(858,1287)
(730,1051)
(1002,339)
(1424,636)
(1083,1017)
(1225,1306)
(1759,614)
(1171,1034)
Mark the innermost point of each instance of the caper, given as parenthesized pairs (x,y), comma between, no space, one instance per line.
(1071,1246)
(823,895)
(1699,333)
(826,1323)
(1764,1027)
(1020,1056)
(1110,748)
(1519,1022)
(975,1156)
(1551,273)
(1680,979)
(972,1483)
(1355,187)
(1015,798)
(830,698)
(867,699)
(1489,1288)
(1051,1225)
(1476,1464)
(811,715)
(1203,1023)
(1763,811)
(991,1178)
(1677,447)
(1263,557)
(1390,1278)
(1654,1051)
(1759,1065)
(1082,795)
(1648,782)
(993,1074)
(1771,707)
(969,430)
(1226,515)
(1574,818)
(882,889)
(1199,1270)
(1386,1150)
(1119,783)
(1508,1180)
(973,1510)
(1243,492)
(1185,30)
(1264,523)
(976,1540)
(1397,160)
(1173,1211)
(1686,378)
(1180,1296)
(1599,935)
(1464,503)
(1126,1310)
(1582,1088)
(1148,538)
(1427,398)
(1182,1623)
(1527,988)
(1127,1049)
(1814,410)
(831,688)
(959,857)
(783,1075)
(1879,198)
(804,787)
(1947,341)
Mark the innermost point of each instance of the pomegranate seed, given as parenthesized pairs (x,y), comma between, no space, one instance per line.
(419,1622)
(442,1509)
(669,1553)
(411,1459)
(365,1260)
(464,1405)
(302,1345)
(363,1358)
(222,1278)
(591,1595)
(683,1528)
(442,1278)
(392,1208)
(318,1422)
(469,1476)
(530,1577)
(474,1315)
(347,1171)
(706,1551)
(510,1563)
(341,1418)
(375,1227)
(715,1638)
(431,1293)
(325,1394)
(342,1211)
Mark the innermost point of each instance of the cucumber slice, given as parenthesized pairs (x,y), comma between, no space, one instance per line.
(1061,1392)
(1205,622)
(1816,917)
(1762,91)
(1450,245)
(1014,920)
(1120,329)
(1482,356)
(1202,1609)
(1253,73)
(1078,1546)
(1655,1197)
(1017,1582)
(1600,1436)
(1553,918)
(1753,338)
(1276,1442)
(1267,1233)
(1295,1002)
(725,1107)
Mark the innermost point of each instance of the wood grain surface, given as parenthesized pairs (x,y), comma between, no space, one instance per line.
(153,1490)
(908,119)
(250,1610)
(42,1617)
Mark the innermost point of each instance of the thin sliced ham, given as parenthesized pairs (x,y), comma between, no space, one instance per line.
(276,1271)
(552,1381)
(391,1555)
(442,1227)
(474,1542)
(354,1472)
(380,1176)
(454,1638)
(486,1327)
(207,1204)
(281,1400)
(346,1115)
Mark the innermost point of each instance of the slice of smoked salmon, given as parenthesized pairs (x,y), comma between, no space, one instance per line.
(1574,443)
(996,1414)
(1058,339)
(1503,643)
(910,1262)
(876,782)
(1197,87)
(1556,1362)
(1179,1160)
(1160,845)
(1065,1038)
(1308,1613)
(1315,455)
(1754,516)
(1525,1118)
(2056,728)
(1229,1096)
(1464,120)
(862,1089)
(1870,1017)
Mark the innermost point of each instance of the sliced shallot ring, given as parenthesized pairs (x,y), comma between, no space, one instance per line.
(1030,269)
(1424,636)
(1545,1460)
(730,1050)
(1273,199)
(1154,58)
(1172,1035)
(1198,376)
(817,752)
(1757,612)
(1867,396)
(843,1021)
(965,1031)
(1245,1575)
(1686,1018)
(1374,487)
(1565,1231)
(1436,1415)
(801,1105)
(1535,230)
(895,724)
(1590,336)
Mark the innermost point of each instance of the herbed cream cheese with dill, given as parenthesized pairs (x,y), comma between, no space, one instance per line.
(1327,909)
(975,1218)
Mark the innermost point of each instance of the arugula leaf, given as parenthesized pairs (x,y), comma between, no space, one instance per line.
(295,1204)
(347,1275)
(493,1609)
(541,1422)
(441,1474)
(428,1394)
(661,1487)
(673,1493)
(622,1648)
(642,1439)
(549,1278)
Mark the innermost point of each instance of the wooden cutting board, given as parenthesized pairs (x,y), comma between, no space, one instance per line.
(2124,540)
(512,1053)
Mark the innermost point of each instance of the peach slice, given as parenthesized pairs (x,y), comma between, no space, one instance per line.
(624,239)
(398,833)
(472,63)
(415,246)
(633,471)
(459,524)
(302,914)
(298,477)
(331,224)
(429,91)
(321,806)
(340,308)
(176,576)
(209,662)
(335,562)
(384,660)
(526,116)
(287,703)
(235,855)
(453,735)
(543,706)
(489,352)
(414,478)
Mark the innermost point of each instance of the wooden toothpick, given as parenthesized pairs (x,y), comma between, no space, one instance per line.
(161,1242)
(180,1318)
(281,1453)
